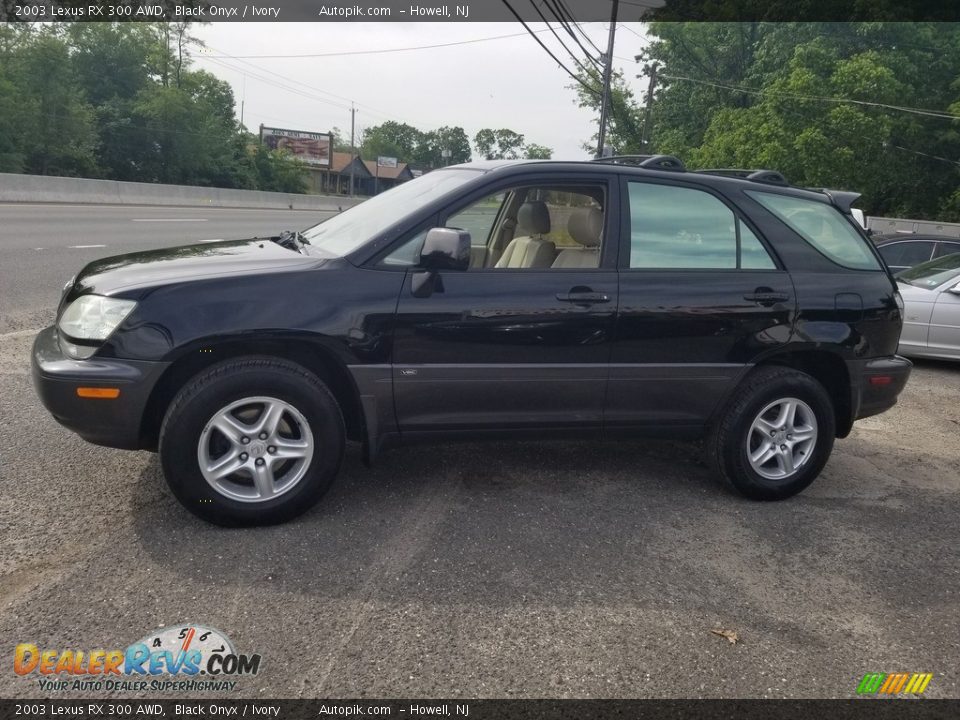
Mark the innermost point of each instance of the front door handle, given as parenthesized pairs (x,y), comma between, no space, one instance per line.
(766,297)
(583,297)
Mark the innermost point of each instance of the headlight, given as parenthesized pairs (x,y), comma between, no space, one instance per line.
(94,317)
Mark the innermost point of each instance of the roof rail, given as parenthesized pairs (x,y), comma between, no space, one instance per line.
(651,162)
(770,177)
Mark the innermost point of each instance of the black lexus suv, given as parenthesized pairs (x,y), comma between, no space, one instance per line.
(490,300)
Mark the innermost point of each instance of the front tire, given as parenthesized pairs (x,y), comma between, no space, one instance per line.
(251,441)
(775,436)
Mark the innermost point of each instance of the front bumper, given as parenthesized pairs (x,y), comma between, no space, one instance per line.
(878,383)
(111,422)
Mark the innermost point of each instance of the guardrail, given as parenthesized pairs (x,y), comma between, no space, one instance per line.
(16,188)
(892,226)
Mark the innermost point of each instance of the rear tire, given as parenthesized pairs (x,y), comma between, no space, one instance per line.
(251,441)
(775,435)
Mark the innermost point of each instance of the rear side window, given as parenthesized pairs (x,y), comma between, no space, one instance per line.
(822,226)
(683,228)
(906,254)
(946,248)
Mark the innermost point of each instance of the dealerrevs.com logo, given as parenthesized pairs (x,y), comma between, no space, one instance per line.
(182,658)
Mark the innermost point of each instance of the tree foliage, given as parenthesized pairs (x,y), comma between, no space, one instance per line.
(806,99)
(812,100)
(121,101)
(423,149)
(506,144)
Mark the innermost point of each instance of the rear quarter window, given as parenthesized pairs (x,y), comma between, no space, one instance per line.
(823,227)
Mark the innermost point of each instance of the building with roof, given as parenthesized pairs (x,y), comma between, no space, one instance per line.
(368,177)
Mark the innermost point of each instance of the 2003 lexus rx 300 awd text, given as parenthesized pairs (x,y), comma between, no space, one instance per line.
(489,300)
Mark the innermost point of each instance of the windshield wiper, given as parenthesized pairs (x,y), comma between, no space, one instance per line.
(291,240)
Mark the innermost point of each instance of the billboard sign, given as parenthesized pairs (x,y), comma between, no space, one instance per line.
(310,148)
(384,161)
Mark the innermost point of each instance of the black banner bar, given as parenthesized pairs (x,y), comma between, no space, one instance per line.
(469,10)
(857,709)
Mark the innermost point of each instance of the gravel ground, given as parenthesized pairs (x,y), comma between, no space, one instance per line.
(521,570)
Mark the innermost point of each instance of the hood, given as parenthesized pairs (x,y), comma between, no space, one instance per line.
(188,262)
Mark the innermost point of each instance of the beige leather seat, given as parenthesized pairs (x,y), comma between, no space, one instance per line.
(586,228)
(530,251)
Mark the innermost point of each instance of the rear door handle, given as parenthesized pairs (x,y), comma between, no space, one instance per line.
(766,297)
(584,298)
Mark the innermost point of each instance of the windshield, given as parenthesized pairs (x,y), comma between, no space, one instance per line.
(344,233)
(933,272)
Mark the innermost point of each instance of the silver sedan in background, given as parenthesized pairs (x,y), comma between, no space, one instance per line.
(931,295)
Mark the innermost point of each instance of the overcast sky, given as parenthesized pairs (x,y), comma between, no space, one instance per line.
(509,82)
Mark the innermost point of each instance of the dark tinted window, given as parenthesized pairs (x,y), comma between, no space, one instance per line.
(946,248)
(823,227)
(683,228)
(906,254)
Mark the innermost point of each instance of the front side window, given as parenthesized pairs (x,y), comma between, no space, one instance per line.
(684,228)
(537,227)
(823,227)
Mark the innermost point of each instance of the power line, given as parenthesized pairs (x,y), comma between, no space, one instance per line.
(753,91)
(547,50)
(368,108)
(934,157)
(274,83)
(559,40)
(554,8)
(565,10)
(562,13)
(387,50)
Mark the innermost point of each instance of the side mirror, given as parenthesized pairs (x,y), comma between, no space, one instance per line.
(445,249)
(955,290)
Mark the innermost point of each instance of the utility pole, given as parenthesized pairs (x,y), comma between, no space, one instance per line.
(607,71)
(353,117)
(650,69)
(243,100)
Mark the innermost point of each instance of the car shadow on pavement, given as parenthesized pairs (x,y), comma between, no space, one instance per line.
(539,517)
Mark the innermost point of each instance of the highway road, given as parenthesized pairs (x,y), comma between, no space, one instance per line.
(547,569)
(41,246)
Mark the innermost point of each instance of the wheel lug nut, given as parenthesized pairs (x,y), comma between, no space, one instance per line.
(271,449)
(243,457)
(245,440)
(783,447)
(263,436)
(259,461)
(789,437)
(773,433)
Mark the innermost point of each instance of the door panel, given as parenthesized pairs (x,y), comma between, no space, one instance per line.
(691,317)
(498,349)
(945,324)
(683,337)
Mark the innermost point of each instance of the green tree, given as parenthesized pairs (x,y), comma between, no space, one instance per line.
(391,139)
(537,152)
(624,117)
(429,153)
(58,136)
(278,171)
(813,100)
(503,144)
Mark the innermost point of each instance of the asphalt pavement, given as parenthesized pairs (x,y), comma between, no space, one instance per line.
(548,569)
(42,246)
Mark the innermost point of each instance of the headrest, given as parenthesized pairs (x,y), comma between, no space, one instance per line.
(534,217)
(585,226)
